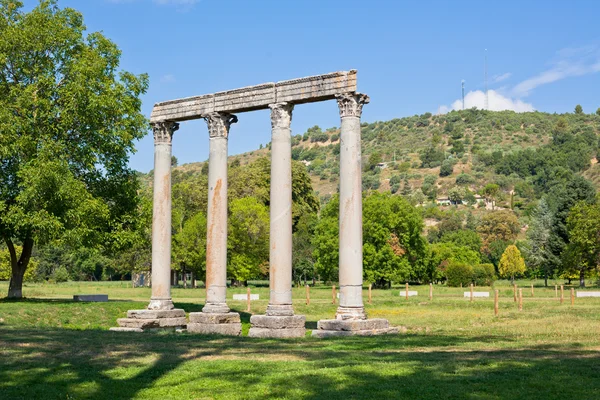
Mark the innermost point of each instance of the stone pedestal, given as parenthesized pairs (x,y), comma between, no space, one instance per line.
(361,327)
(277,326)
(215,323)
(145,320)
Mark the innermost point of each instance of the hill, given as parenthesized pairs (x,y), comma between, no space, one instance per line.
(453,155)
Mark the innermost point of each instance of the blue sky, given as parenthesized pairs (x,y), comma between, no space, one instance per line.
(410,56)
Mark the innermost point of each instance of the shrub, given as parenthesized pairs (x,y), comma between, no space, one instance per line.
(464,179)
(60,274)
(484,274)
(458,273)
(447,168)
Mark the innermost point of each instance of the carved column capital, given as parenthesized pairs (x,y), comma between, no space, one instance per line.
(219,124)
(281,114)
(351,103)
(163,131)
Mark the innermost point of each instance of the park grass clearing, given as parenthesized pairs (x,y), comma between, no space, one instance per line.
(53,348)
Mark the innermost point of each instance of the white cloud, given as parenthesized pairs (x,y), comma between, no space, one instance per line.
(169,78)
(497,102)
(569,63)
(501,77)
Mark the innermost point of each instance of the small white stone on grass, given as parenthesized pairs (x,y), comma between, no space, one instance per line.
(410,293)
(477,294)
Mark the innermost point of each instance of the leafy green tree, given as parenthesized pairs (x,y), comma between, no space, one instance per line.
(539,254)
(598,111)
(459,274)
(464,238)
(491,192)
(61,93)
(303,261)
(578,109)
(248,238)
(455,195)
(189,246)
(326,242)
(447,168)
(442,254)
(583,249)
(498,225)
(511,263)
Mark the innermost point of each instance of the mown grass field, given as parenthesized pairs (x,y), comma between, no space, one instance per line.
(449,348)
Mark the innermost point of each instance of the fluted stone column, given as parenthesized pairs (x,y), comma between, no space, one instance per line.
(216,241)
(216,316)
(280,320)
(161,217)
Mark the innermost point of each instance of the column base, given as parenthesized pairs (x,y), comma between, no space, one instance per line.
(216,308)
(358,327)
(148,320)
(280,310)
(350,313)
(277,326)
(161,304)
(227,323)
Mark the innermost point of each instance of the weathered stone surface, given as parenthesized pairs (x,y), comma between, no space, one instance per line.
(214,318)
(172,322)
(353,325)
(156,314)
(138,323)
(296,91)
(373,332)
(97,298)
(277,333)
(234,329)
(119,329)
(277,322)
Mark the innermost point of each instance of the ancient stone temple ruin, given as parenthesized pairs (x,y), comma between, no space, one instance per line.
(218,110)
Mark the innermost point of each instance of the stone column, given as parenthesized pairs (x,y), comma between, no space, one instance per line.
(216,317)
(160,313)
(216,240)
(161,217)
(280,236)
(351,255)
(280,320)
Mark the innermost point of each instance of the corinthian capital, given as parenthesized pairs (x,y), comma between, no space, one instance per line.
(163,131)
(281,114)
(219,124)
(351,104)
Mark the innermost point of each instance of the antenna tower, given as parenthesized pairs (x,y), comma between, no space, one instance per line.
(485,80)
(463,93)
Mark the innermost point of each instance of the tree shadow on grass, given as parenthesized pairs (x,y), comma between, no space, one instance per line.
(97,364)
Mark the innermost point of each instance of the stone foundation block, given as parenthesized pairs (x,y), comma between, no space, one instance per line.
(353,325)
(278,322)
(126,330)
(277,333)
(138,323)
(215,318)
(232,329)
(156,314)
(323,333)
(172,322)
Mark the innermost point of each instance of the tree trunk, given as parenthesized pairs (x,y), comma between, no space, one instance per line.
(512,280)
(18,267)
(546,279)
(581,279)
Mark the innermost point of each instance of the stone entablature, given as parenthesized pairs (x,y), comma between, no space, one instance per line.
(296,91)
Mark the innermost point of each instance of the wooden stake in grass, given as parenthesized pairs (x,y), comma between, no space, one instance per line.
(471,298)
(562,294)
(406,291)
(333,294)
(307,295)
(520,299)
(532,290)
(572,297)
(496,302)
(370,298)
(515,292)
(430,291)
(248,299)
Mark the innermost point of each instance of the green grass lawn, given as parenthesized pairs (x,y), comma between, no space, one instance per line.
(449,348)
